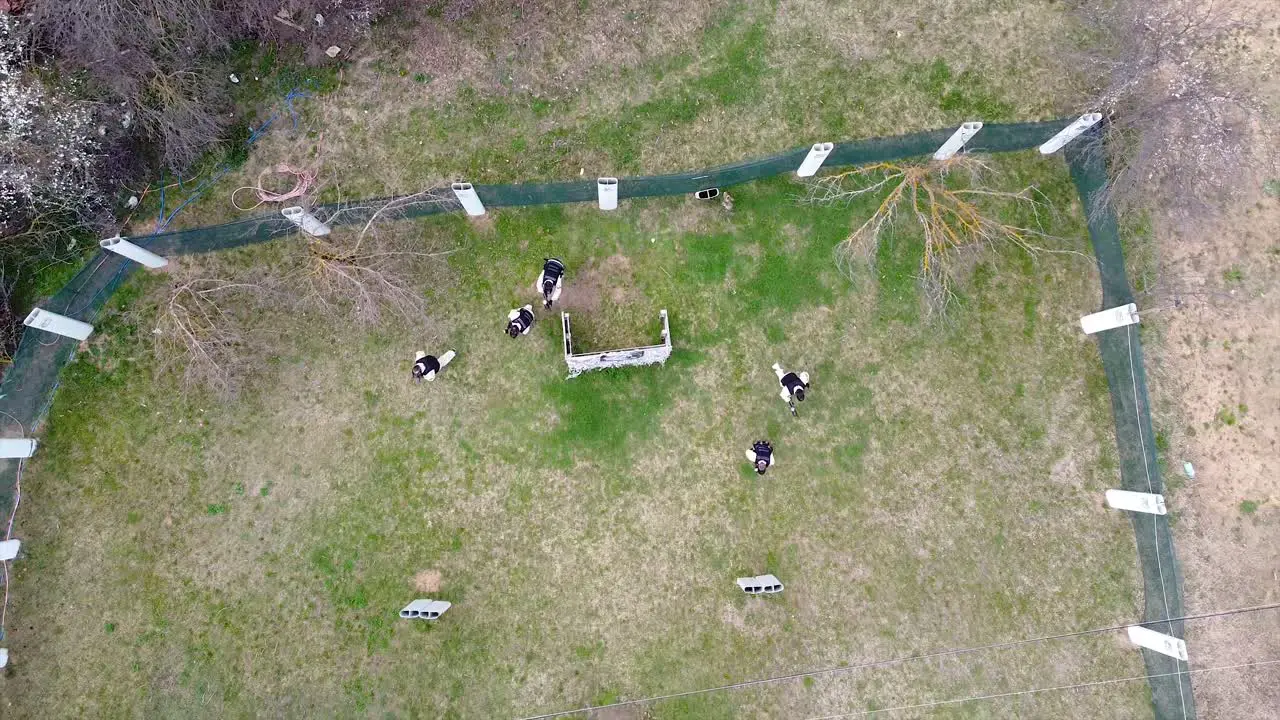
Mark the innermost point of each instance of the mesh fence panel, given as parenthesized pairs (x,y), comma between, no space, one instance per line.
(1121,351)
(29,384)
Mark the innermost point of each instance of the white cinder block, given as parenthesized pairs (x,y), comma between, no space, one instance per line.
(425,609)
(760,585)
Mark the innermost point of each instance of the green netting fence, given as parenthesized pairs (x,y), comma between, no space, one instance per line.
(28,386)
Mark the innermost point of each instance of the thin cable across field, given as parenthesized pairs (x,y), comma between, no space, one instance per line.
(895,661)
(1033,691)
(1155,522)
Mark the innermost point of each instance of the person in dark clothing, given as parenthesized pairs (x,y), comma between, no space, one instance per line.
(551,281)
(426,367)
(793,386)
(761,456)
(520,321)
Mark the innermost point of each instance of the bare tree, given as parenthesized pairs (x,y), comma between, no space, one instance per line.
(194,330)
(1184,133)
(949,201)
(375,270)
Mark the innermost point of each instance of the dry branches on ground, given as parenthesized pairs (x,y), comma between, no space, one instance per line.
(375,271)
(195,329)
(1184,130)
(956,215)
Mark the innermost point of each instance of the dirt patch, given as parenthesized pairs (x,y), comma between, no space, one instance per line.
(626,712)
(586,290)
(427,581)
(1213,377)
(550,47)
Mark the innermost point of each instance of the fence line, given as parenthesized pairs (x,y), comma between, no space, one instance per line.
(28,386)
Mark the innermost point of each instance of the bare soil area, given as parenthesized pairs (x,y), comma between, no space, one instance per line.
(1215,373)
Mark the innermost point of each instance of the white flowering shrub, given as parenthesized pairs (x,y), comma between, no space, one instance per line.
(48,139)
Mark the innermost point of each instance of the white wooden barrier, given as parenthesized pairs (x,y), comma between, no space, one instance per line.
(17,447)
(962,135)
(309,223)
(1161,643)
(58,324)
(120,246)
(1136,501)
(817,155)
(470,200)
(1110,319)
(1070,132)
(607,189)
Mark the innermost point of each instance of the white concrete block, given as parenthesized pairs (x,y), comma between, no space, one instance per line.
(1110,319)
(58,324)
(425,609)
(9,549)
(1070,132)
(469,199)
(817,154)
(1136,501)
(309,223)
(1161,643)
(608,192)
(120,246)
(17,447)
(962,135)
(760,585)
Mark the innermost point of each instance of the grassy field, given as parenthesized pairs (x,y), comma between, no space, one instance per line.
(195,556)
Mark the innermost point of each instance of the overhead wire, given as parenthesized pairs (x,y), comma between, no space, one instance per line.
(951,652)
(1033,691)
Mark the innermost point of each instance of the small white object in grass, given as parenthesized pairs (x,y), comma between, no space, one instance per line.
(133,201)
(319,20)
(4,657)
(233,77)
(1189,469)
(333,51)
